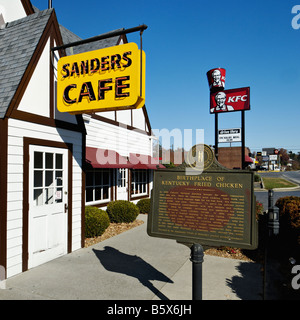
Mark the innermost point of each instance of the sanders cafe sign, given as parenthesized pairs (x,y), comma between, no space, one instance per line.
(107,79)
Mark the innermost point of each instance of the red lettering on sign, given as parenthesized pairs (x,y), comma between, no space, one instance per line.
(199,208)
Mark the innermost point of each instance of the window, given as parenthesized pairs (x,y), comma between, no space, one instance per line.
(47,178)
(97,185)
(139,182)
(122,178)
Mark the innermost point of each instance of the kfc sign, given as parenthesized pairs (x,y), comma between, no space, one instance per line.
(230,100)
(216,79)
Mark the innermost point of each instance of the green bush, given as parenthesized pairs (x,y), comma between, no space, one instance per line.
(257,178)
(144,205)
(259,209)
(122,211)
(96,222)
(289,209)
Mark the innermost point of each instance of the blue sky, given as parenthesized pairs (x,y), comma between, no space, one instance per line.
(254,41)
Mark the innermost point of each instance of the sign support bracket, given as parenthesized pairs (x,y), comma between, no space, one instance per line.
(101,37)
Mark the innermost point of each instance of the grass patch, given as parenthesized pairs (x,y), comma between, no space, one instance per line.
(272,183)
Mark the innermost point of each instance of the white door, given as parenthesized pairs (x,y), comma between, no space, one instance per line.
(47,204)
(122,177)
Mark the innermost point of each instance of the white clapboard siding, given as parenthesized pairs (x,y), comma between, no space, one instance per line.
(118,138)
(12,10)
(124,116)
(17,130)
(37,101)
(138,119)
(107,114)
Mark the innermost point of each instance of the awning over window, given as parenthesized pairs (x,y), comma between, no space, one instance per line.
(141,161)
(104,158)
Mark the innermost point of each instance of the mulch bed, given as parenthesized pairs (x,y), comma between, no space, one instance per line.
(112,230)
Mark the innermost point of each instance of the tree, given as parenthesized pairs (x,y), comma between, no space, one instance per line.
(292,155)
(284,157)
(295,165)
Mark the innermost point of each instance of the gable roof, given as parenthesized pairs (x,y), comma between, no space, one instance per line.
(18,41)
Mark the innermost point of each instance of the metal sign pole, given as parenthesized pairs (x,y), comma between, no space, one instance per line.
(216,136)
(243,139)
(197,259)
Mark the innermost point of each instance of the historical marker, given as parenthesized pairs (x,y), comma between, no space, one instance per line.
(215,207)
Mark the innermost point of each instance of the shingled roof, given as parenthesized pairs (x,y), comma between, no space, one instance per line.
(18,41)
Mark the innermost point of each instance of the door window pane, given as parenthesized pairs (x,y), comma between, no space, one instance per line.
(38,160)
(49,196)
(58,195)
(58,162)
(49,160)
(121,178)
(38,179)
(49,178)
(59,178)
(38,197)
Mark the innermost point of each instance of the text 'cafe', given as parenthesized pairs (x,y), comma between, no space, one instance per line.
(105,79)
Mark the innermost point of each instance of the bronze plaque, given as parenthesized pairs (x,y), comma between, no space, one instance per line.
(215,207)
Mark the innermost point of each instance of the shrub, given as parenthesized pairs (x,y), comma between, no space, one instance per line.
(96,222)
(122,211)
(289,209)
(259,209)
(144,205)
(257,178)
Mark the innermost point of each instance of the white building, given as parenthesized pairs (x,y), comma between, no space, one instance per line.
(51,166)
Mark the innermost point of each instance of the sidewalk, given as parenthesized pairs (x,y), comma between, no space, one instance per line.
(134,266)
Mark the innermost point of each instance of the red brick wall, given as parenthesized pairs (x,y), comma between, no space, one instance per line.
(231,157)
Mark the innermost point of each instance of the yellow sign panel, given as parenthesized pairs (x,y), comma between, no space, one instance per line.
(101,80)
